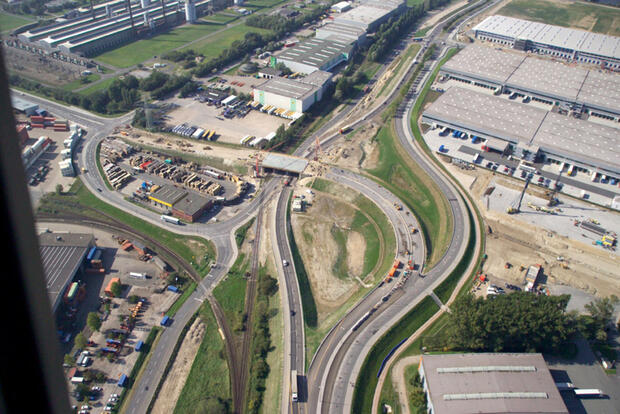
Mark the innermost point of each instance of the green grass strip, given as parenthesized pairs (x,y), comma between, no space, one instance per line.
(367,378)
(182,299)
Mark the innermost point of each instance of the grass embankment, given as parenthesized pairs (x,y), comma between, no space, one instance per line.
(187,292)
(367,378)
(221,18)
(135,371)
(410,183)
(81,82)
(241,232)
(273,383)
(208,383)
(78,200)
(230,293)
(98,86)
(579,15)
(145,49)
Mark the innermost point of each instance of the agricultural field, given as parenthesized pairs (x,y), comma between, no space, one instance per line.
(145,49)
(212,46)
(578,15)
(11,21)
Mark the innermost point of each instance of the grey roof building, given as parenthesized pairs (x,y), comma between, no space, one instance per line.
(316,54)
(489,383)
(284,163)
(557,41)
(560,137)
(62,255)
(591,90)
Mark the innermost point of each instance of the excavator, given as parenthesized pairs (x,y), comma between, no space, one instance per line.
(515,208)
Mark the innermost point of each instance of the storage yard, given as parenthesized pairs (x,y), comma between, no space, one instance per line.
(112,350)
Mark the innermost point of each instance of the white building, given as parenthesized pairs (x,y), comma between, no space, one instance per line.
(296,95)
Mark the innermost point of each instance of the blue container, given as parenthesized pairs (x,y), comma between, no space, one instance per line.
(122,381)
(139,346)
(173,288)
(164,321)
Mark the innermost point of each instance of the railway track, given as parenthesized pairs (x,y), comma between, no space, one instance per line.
(243,359)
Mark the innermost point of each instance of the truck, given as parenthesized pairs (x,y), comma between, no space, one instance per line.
(173,288)
(136,275)
(564,386)
(165,321)
(594,176)
(122,381)
(169,219)
(294,395)
(585,393)
(139,345)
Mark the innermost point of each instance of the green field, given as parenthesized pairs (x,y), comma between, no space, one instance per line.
(207,388)
(212,46)
(79,84)
(99,86)
(579,15)
(11,21)
(142,50)
(221,18)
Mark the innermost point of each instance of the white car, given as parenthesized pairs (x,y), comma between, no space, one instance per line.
(115,395)
(284,263)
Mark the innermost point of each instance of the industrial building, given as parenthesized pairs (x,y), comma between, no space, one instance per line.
(62,255)
(489,383)
(332,30)
(561,42)
(93,32)
(296,95)
(23,106)
(284,164)
(185,205)
(577,89)
(527,132)
(371,14)
(315,54)
(341,7)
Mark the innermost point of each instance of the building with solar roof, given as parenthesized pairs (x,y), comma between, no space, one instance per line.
(578,89)
(489,383)
(561,42)
(528,132)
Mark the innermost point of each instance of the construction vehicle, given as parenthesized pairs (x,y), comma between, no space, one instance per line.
(515,208)
(414,230)
(398,206)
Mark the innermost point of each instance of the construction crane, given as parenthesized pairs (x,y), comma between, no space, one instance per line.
(552,200)
(515,208)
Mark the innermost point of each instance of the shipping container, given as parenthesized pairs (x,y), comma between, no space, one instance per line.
(173,288)
(122,381)
(136,275)
(139,346)
(165,320)
(392,272)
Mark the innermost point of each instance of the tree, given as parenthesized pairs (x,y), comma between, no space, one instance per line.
(69,360)
(80,340)
(133,299)
(116,289)
(58,189)
(602,309)
(93,321)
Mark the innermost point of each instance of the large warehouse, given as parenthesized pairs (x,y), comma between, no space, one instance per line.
(62,255)
(562,42)
(295,95)
(371,14)
(489,383)
(530,132)
(576,88)
(109,26)
(316,54)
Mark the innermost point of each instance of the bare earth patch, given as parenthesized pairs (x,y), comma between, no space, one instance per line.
(356,246)
(173,385)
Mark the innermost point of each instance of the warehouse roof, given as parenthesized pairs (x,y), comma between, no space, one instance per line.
(579,40)
(364,15)
(191,204)
(528,126)
(289,88)
(285,163)
(316,52)
(488,114)
(538,75)
(340,28)
(491,383)
(61,255)
(22,105)
(168,194)
(484,62)
(317,78)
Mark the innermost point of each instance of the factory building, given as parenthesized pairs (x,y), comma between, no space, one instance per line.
(315,54)
(489,383)
(341,30)
(371,14)
(527,132)
(62,256)
(23,106)
(295,95)
(183,204)
(572,44)
(580,90)
(341,7)
(110,25)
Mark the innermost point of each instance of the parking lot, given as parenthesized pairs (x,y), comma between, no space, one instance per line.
(209,117)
